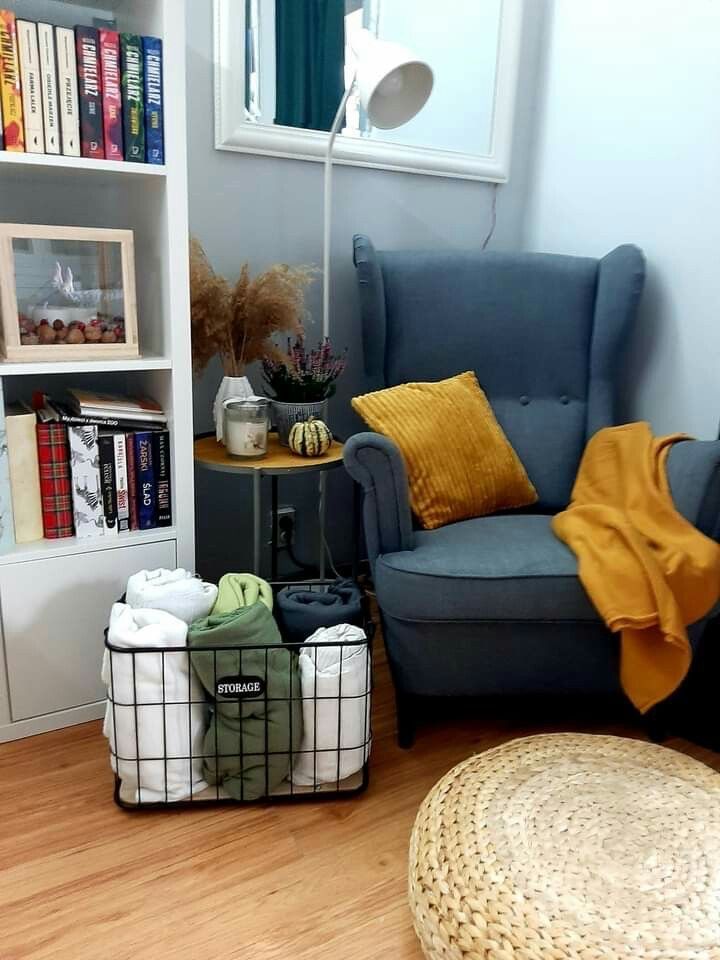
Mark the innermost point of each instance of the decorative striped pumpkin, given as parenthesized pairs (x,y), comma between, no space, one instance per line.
(310,438)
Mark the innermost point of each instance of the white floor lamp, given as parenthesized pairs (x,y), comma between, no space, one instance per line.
(394,85)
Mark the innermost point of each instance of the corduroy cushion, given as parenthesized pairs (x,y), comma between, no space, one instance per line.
(459,462)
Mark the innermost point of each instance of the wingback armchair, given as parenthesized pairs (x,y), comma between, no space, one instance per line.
(494,605)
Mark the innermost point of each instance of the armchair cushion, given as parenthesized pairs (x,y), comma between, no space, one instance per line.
(459,462)
(509,567)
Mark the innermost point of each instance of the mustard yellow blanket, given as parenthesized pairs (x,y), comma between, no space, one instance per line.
(648,571)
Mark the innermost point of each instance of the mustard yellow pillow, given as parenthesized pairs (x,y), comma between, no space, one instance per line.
(459,462)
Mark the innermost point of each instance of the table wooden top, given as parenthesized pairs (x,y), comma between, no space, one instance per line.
(279,460)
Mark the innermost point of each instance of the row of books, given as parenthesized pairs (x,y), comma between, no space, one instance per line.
(83,468)
(85,92)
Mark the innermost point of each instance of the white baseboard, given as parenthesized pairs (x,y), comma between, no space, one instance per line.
(51,721)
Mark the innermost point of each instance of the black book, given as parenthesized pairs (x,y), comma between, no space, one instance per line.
(92,141)
(65,414)
(106,444)
(161,456)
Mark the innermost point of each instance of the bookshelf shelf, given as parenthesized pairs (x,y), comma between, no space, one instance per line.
(73,165)
(73,546)
(48,368)
(56,595)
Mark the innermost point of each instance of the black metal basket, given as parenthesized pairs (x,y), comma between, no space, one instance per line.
(274,730)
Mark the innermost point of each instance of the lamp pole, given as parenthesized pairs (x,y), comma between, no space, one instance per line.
(327,223)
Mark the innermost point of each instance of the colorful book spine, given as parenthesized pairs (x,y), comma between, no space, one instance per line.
(161,454)
(7,534)
(68,91)
(10,89)
(112,94)
(24,473)
(132,481)
(92,141)
(31,84)
(55,482)
(87,492)
(145,479)
(131,62)
(48,76)
(2,130)
(122,495)
(106,446)
(154,106)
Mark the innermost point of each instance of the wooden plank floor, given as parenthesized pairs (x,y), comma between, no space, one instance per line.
(82,880)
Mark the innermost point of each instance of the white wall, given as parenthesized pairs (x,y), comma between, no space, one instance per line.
(629,150)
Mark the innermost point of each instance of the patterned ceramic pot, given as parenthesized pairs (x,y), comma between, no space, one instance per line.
(288,414)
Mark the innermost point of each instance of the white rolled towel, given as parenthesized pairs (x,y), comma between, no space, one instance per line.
(335,686)
(153,741)
(174,591)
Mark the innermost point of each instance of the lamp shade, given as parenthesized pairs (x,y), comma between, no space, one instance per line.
(393,84)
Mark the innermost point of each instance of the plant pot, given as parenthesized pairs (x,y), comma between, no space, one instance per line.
(288,414)
(231,388)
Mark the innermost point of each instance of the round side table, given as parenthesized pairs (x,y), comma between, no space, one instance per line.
(279,462)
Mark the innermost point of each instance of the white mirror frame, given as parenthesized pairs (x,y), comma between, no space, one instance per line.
(234,132)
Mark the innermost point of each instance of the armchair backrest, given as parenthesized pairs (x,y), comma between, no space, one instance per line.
(544,334)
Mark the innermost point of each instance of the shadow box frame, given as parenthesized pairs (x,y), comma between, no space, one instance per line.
(11,348)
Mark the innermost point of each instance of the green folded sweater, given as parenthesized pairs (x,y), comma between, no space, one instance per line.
(237,590)
(257,716)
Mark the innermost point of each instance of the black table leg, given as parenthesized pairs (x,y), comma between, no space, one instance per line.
(274,534)
(356,528)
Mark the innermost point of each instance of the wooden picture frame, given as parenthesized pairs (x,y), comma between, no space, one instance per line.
(11,347)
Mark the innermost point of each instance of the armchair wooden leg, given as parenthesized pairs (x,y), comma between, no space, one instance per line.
(656,726)
(405,715)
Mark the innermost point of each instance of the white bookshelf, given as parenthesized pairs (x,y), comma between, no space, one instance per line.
(55,595)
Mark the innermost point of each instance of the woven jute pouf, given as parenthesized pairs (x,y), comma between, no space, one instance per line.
(567,847)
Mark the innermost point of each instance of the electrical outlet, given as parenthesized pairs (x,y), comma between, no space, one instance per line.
(285,521)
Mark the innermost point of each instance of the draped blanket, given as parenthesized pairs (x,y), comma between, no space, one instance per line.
(649,572)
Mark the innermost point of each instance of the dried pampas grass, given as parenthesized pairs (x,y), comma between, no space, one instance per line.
(238,320)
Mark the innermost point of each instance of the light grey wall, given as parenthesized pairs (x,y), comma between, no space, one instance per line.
(264,210)
(628,151)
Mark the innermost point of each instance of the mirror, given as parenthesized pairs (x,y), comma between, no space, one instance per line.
(282,67)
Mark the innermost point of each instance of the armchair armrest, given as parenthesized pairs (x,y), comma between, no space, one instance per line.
(693,470)
(375,462)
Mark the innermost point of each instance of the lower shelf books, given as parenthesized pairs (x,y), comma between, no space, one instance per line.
(61,479)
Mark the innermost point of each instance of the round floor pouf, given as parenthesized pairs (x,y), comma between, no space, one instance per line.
(569,847)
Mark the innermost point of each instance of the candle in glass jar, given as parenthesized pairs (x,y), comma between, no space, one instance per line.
(246,426)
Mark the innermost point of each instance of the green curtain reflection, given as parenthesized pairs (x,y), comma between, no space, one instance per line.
(310,57)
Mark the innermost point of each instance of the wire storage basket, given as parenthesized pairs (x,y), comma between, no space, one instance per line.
(243,723)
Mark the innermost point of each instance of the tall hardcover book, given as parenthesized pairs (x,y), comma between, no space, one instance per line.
(68,91)
(111,93)
(145,479)
(161,459)
(106,446)
(87,493)
(55,483)
(154,106)
(31,84)
(122,495)
(10,90)
(24,473)
(131,63)
(48,78)
(87,46)
(7,532)
(2,132)
(132,481)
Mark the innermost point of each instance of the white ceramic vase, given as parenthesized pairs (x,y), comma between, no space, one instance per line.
(231,388)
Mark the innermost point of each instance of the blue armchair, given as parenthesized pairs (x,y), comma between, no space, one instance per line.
(494,605)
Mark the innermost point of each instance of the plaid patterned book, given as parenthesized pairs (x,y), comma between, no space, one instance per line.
(55,483)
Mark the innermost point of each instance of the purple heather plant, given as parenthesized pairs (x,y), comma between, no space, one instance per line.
(305,376)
